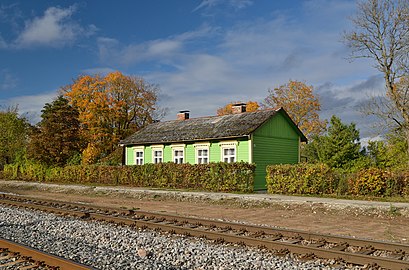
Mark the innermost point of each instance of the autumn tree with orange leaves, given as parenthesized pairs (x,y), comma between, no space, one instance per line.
(251,106)
(110,108)
(298,100)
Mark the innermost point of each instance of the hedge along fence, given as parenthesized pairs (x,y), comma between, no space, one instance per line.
(321,179)
(300,179)
(221,177)
(378,182)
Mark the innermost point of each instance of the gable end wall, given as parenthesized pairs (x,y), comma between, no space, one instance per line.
(275,142)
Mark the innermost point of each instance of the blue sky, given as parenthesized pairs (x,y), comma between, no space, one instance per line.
(202,53)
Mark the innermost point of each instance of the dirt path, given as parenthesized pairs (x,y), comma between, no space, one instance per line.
(353,218)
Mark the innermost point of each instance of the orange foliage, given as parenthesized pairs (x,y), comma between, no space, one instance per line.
(298,100)
(251,106)
(111,108)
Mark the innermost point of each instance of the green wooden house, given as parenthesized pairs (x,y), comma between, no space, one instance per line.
(262,137)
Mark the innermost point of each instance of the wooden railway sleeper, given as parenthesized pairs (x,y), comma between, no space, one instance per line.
(367,250)
(307,256)
(340,247)
(318,244)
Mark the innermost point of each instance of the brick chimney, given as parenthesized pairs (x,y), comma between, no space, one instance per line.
(238,108)
(183,115)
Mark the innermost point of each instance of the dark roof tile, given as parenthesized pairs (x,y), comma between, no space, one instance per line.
(203,128)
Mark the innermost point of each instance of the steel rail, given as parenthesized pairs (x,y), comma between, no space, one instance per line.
(40,256)
(192,226)
(381,245)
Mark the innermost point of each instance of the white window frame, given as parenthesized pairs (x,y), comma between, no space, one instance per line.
(139,160)
(202,146)
(178,148)
(156,148)
(228,145)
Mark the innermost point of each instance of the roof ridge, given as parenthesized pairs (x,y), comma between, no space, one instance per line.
(226,115)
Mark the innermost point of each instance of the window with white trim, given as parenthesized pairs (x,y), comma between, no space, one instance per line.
(202,156)
(178,153)
(178,156)
(157,156)
(138,153)
(139,157)
(228,149)
(202,152)
(229,154)
(157,153)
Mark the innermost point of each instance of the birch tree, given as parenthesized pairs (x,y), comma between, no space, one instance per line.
(381,33)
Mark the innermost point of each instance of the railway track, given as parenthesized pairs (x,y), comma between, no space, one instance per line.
(309,245)
(17,256)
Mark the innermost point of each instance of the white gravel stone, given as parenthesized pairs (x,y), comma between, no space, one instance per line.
(108,246)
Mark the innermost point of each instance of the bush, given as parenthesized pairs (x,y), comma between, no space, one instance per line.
(301,179)
(320,179)
(221,177)
(379,182)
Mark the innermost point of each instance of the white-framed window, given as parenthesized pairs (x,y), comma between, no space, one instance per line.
(157,154)
(202,153)
(228,150)
(138,154)
(229,155)
(202,156)
(178,156)
(139,157)
(178,153)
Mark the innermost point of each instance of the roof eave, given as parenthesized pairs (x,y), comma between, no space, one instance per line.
(185,141)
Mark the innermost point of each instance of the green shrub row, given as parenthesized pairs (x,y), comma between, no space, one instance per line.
(220,177)
(321,179)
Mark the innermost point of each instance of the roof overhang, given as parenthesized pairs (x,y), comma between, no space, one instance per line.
(186,141)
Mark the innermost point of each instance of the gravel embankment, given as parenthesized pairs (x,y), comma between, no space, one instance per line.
(107,246)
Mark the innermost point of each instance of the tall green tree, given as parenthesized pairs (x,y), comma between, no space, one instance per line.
(56,139)
(339,148)
(13,136)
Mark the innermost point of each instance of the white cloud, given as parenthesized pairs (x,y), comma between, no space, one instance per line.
(8,81)
(112,51)
(30,105)
(98,70)
(237,4)
(365,141)
(55,28)
(3,43)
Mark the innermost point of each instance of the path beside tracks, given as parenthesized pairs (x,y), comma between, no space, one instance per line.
(256,197)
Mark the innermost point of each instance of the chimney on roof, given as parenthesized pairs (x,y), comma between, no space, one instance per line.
(183,115)
(238,108)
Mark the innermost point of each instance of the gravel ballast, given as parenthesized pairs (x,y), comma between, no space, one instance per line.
(108,246)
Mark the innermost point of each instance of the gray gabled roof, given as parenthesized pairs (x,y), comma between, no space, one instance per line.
(203,128)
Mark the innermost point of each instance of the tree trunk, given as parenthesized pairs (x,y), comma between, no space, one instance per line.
(407,144)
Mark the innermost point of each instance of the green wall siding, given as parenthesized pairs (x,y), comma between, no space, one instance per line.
(167,153)
(215,152)
(130,159)
(275,142)
(277,127)
(190,155)
(242,149)
(147,155)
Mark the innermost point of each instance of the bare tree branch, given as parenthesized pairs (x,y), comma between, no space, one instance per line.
(382,34)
